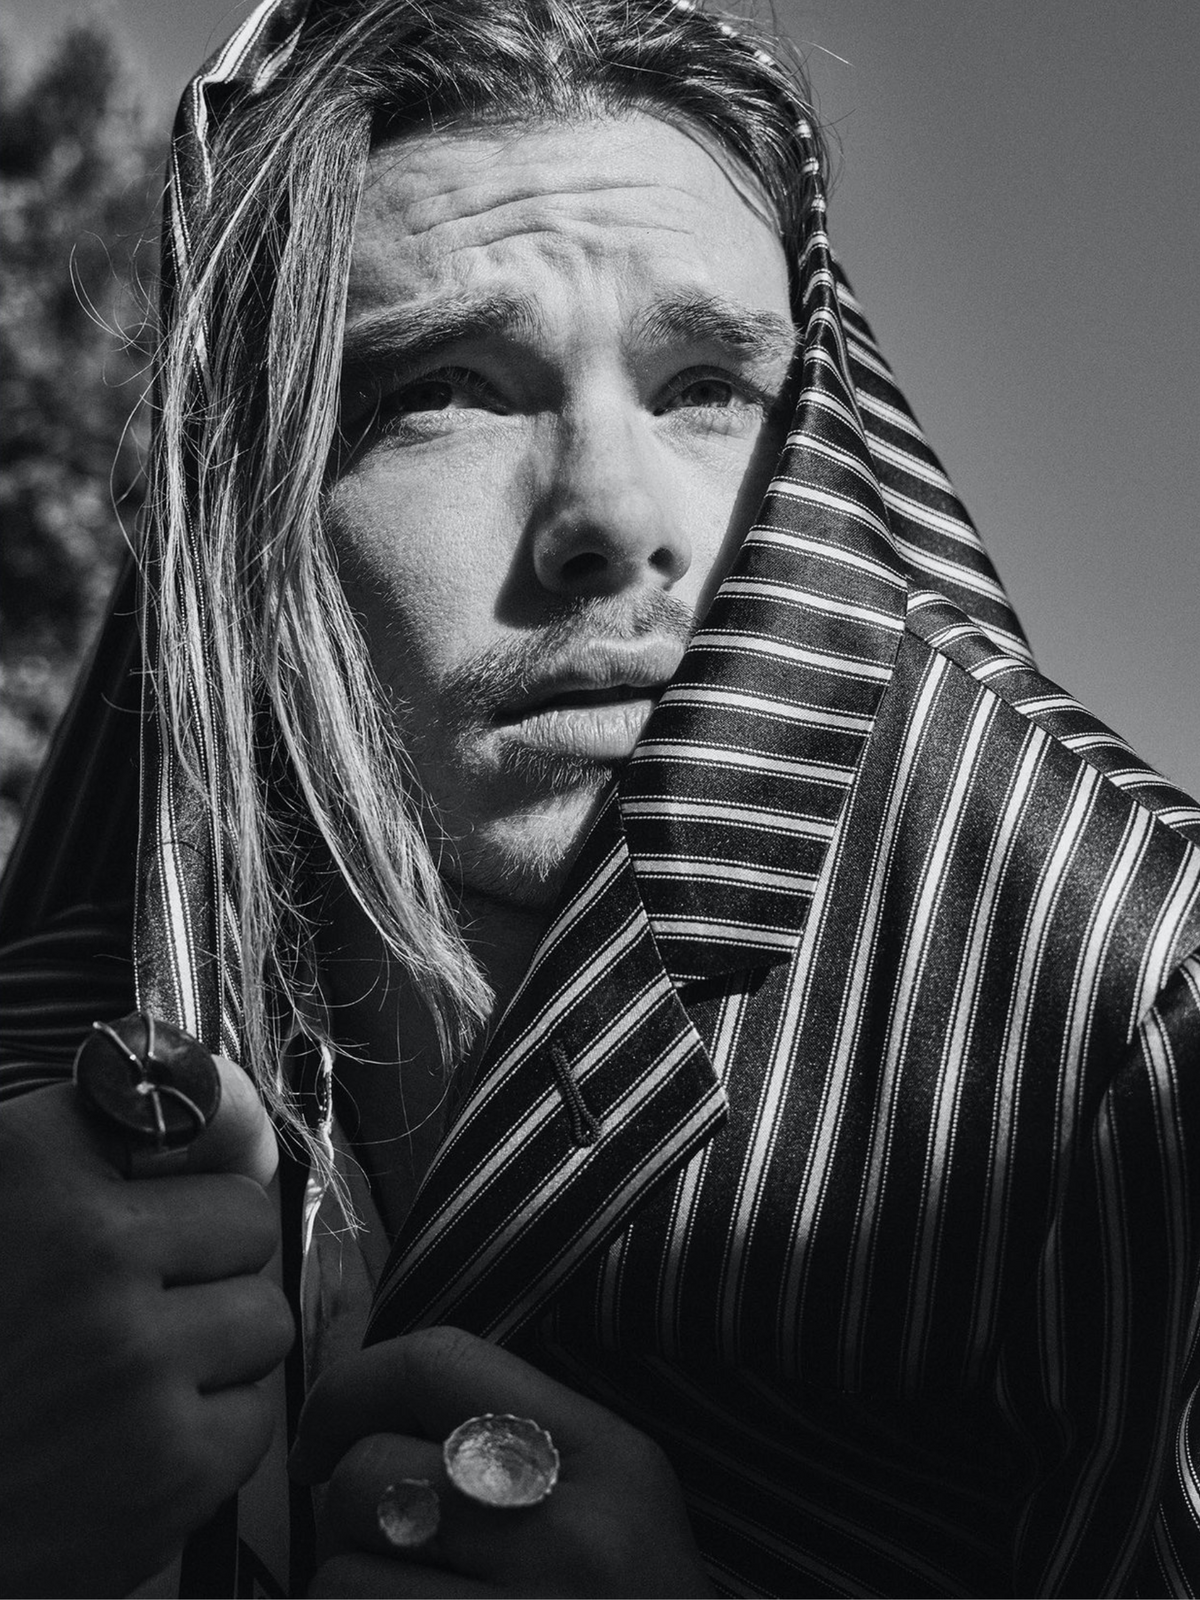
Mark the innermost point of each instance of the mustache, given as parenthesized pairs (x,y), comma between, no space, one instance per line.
(502,672)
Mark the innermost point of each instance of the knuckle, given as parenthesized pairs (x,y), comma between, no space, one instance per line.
(154,1428)
(647,1457)
(98,1244)
(365,1458)
(259,1213)
(642,1458)
(445,1348)
(276,1325)
(249,1321)
(245,1212)
(166,1422)
(117,1230)
(253,1202)
(121,1332)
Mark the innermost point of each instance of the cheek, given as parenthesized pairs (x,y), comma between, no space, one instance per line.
(412,561)
(718,504)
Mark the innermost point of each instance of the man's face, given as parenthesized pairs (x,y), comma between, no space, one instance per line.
(563,345)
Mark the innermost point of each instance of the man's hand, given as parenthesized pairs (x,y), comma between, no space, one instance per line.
(133,1328)
(614,1525)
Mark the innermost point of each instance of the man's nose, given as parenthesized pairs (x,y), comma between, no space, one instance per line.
(608,522)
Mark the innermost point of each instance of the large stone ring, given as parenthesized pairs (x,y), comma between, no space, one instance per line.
(502,1461)
(153,1085)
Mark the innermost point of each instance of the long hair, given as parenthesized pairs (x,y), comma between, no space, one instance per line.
(245,591)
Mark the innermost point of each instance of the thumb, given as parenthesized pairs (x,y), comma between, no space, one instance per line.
(240,1138)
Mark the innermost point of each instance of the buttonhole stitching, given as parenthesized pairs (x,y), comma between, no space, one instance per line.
(585,1129)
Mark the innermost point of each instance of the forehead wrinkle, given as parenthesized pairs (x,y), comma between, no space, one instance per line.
(494,186)
(546,217)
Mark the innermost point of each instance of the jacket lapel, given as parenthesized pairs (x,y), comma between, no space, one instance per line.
(595,1088)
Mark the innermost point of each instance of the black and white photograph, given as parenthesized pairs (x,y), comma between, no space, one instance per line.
(599,742)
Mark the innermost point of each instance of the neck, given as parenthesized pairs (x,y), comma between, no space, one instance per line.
(502,938)
(392,1073)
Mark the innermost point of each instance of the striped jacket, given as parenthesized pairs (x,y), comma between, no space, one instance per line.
(843,1133)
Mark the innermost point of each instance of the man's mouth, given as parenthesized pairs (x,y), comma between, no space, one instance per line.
(615,694)
(598,730)
(594,705)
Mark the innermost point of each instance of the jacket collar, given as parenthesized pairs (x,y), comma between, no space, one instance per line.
(595,1089)
(738,784)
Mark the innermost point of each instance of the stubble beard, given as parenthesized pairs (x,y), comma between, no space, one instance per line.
(524,866)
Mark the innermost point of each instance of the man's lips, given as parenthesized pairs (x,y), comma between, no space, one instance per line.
(572,699)
(594,702)
(598,673)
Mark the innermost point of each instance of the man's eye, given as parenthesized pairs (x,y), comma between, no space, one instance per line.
(431,394)
(451,388)
(720,399)
(699,394)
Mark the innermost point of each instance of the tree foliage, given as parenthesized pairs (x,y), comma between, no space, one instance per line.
(79,185)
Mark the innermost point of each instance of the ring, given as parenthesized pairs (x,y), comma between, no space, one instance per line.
(153,1084)
(502,1461)
(408,1513)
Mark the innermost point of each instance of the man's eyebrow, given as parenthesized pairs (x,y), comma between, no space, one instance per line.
(697,317)
(401,336)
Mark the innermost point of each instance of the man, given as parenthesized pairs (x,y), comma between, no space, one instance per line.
(571,666)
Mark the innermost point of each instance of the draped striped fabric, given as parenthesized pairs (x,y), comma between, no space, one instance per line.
(877,978)
(841,1135)
(187,959)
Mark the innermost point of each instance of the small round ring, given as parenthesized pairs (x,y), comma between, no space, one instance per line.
(501,1460)
(153,1085)
(408,1513)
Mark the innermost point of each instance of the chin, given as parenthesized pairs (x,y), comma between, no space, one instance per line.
(524,859)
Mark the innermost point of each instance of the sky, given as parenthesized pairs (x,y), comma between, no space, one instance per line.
(1018,207)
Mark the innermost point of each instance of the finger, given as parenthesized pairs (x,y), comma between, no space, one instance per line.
(187,1228)
(472,1539)
(231,1333)
(236,1425)
(50,1127)
(424,1385)
(365,1473)
(363,1575)
(197,1229)
(240,1138)
(206,1448)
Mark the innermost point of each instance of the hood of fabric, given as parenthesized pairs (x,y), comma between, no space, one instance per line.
(857,486)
